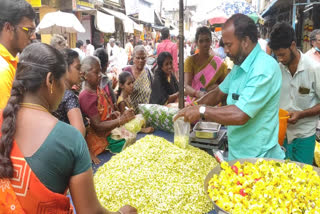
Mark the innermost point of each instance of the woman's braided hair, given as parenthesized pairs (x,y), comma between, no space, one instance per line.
(36,61)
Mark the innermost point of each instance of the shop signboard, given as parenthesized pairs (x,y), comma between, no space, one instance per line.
(82,5)
(34,3)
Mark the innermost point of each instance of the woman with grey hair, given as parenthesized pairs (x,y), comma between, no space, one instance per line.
(142,78)
(314,52)
(58,42)
(98,107)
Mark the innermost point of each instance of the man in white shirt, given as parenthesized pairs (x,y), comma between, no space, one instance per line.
(300,93)
(262,42)
(129,49)
(147,47)
(187,49)
(113,52)
(122,56)
(89,49)
(79,49)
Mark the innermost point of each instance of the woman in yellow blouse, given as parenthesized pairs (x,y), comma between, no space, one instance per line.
(203,72)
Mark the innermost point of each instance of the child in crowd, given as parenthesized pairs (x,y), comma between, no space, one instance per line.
(125,90)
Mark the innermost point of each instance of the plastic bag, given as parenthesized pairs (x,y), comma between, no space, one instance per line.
(158,116)
(136,124)
(122,133)
(181,133)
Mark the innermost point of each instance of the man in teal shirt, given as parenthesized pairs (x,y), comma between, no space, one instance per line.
(252,90)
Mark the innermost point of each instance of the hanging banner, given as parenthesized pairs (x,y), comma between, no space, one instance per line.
(132,7)
(105,23)
(146,12)
(34,3)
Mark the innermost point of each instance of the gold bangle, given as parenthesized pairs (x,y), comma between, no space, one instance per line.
(119,126)
(120,212)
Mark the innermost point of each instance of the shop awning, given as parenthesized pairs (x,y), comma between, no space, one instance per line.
(264,13)
(158,18)
(128,24)
(104,22)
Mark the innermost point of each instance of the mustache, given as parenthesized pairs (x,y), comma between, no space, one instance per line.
(232,57)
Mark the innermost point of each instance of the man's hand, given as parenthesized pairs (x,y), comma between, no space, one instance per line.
(294,117)
(188,90)
(191,114)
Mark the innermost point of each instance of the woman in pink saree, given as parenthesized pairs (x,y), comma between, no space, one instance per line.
(203,72)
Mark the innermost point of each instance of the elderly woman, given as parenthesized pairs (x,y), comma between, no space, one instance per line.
(98,107)
(105,83)
(142,78)
(69,108)
(58,42)
(48,155)
(202,71)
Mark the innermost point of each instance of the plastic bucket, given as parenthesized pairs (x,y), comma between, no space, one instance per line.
(283,121)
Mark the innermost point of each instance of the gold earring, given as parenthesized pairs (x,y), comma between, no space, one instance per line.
(51,89)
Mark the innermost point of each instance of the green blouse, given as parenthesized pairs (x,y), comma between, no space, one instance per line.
(63,154)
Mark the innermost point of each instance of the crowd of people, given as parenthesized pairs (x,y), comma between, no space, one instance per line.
(59,107)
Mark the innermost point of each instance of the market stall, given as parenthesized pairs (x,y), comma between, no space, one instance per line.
(157,176)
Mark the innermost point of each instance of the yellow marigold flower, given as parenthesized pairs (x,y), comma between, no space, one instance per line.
(267,187)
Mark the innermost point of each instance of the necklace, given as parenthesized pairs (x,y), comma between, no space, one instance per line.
(34,106)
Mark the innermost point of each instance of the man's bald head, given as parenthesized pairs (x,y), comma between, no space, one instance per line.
(243,26)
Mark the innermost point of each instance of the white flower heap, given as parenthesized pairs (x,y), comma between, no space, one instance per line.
(155,176)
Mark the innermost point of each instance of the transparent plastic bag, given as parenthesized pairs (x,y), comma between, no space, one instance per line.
(136,124)
(158,116)
(181,133)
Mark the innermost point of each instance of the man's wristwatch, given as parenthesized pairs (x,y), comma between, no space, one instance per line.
(202,110)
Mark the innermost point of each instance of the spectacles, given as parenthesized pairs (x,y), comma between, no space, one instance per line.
(29,30)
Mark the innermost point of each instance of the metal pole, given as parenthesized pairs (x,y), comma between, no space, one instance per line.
(160,8)
(294,11)
(181,54)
